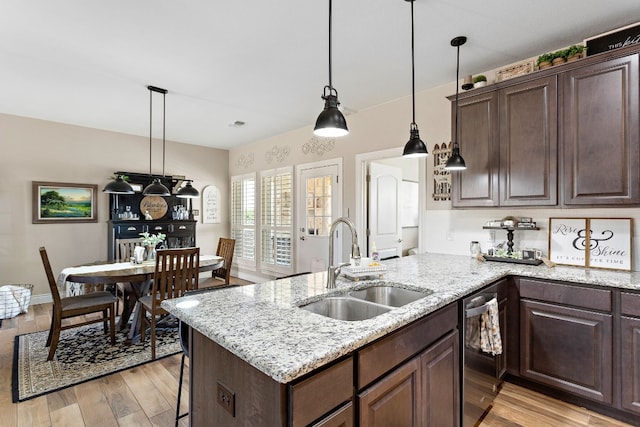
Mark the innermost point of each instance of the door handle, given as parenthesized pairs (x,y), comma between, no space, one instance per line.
(302,238)
(399,240)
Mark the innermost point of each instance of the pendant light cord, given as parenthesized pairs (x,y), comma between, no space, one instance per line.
(413,71)
(330,82)
(455,143)
(150,125)
(164,114)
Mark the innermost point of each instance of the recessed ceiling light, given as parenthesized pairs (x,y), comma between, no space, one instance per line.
(237,124)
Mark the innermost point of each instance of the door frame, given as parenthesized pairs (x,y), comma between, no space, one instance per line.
(337,194)
(362,161)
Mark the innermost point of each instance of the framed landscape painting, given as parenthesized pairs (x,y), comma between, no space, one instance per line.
(57,202)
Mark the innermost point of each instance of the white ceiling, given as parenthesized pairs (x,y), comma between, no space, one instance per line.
(264,62)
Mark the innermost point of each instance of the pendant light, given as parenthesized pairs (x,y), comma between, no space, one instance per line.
(330,123)
(414,147)
(118,186)
(456,162)
(156,188)
(188,191)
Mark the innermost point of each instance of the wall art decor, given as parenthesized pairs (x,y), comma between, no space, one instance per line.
(58,202)
(591,242)
(441,176)
(211,205)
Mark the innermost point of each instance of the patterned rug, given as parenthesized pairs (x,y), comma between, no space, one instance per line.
(83,354)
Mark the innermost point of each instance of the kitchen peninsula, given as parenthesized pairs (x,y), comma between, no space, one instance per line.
(273,351)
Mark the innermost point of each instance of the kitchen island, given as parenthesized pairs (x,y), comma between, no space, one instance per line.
(263,327)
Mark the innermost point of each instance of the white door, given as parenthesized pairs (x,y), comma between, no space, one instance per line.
(385,228)
(318,205)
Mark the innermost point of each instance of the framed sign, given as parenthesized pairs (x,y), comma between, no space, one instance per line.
(211,205)
(591,242)
(57,202)
(154,206)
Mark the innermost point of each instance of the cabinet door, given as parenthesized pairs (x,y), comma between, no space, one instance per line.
(343,417)
(440,375)
(529,143)
(477,186)
(600,136)
(394,400)
(630,364)
(567,348)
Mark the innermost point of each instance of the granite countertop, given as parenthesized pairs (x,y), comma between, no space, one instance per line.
(263,324)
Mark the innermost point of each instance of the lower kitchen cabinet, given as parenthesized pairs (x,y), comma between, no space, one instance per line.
(566,338)
(440,376)
(630,351)
(394,400)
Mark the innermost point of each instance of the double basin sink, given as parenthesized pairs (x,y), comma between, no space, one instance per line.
(365,303)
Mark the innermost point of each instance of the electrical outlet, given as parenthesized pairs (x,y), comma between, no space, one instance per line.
(226,398)
(450,236)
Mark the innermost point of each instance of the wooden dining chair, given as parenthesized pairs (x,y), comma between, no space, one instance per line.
(79,305)
(124,252)
(176,273)
(225,250)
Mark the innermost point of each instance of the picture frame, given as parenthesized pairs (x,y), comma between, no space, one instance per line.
(59,202)
(591,242)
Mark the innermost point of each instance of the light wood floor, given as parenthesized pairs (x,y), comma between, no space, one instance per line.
(147,395)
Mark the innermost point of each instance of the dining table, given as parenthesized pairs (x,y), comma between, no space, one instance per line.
(139,276)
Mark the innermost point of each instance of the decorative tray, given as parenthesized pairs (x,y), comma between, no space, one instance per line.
(364,271)
(513,260)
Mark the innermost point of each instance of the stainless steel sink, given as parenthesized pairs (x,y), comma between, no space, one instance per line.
(389,295)
(345,308)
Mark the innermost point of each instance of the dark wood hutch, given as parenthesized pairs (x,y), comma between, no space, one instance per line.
(132,214)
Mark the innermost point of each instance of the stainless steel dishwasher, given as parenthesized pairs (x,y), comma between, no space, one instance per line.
(481,371)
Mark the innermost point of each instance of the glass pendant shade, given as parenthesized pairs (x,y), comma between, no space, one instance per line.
(331,123)
(118,186)
(187,192)
(415,147)
(156,188)
(455,162)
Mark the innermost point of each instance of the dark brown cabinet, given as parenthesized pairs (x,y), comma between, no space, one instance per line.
(180,233)
(566,338)
(601,137)
(439,371)
(529,143)
(394,400)
(630,351)
(567,136)
(477,186)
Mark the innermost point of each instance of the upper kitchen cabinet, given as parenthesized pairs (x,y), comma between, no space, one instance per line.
(477,186)
(529,143)
(600,133)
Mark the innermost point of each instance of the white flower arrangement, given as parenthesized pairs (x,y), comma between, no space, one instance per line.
(152,239)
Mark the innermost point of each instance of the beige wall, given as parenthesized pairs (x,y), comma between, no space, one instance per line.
(37,150)
(387,126)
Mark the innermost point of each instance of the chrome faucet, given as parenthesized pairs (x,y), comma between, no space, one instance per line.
(334,270)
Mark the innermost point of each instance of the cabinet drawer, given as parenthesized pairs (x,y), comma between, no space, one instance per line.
(389,352)
(129,230)
(319,394)
(178,228)
(596,299)
(630,303)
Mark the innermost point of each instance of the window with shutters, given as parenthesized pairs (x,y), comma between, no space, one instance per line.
(276,225)
(243,219)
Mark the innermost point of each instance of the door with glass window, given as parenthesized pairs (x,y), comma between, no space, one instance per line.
(318,205)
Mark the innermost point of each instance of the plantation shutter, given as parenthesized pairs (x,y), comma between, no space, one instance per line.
(243,221)
(276,209)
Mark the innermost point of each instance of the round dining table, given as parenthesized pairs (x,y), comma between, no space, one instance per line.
(139,276)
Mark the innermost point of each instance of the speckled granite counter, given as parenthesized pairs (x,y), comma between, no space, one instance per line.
(263,325)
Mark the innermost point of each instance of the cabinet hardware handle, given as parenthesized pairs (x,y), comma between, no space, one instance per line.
(157,227)
(182,227)
(131,229)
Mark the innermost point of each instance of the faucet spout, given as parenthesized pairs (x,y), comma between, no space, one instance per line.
(333,270)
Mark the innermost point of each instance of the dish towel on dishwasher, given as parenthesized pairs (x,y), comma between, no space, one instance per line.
(490,340)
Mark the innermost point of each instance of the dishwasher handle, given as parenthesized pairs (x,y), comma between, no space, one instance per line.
(477,311)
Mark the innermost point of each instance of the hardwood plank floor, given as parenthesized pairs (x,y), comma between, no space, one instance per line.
(146,395)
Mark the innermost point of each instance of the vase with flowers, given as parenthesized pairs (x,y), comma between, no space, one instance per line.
(150,241)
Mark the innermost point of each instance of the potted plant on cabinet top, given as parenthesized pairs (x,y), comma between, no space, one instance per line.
(544,61)
(479,81)
(575,52)
(560,57)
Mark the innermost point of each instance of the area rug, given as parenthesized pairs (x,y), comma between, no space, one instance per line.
(83,354)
